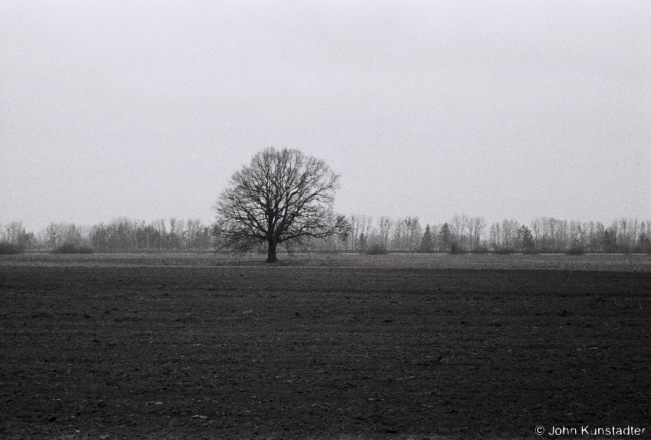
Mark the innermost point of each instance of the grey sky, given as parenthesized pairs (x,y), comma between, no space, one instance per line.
(501,109)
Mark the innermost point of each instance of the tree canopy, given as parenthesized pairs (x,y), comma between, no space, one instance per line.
(281,196)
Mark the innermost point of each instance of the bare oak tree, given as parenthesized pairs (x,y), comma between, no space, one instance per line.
(281,196)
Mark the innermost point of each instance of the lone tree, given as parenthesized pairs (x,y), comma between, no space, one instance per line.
(281,196)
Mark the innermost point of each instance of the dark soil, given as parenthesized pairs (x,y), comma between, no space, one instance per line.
(305,352)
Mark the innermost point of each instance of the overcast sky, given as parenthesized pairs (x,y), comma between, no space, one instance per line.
(500,109)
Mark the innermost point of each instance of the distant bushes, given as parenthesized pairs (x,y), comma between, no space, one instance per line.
(455,249)
(7,248)
(576,250)
(376,249)
(70,248)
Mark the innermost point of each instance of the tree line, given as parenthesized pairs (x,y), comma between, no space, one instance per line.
(285,199)
(360,233)
(465,233)
(119,235)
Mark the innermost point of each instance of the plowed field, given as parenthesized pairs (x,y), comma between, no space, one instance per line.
(108,347)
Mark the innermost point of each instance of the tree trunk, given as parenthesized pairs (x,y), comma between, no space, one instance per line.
(271,256)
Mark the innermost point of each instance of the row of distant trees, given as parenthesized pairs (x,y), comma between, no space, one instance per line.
(119,235)
(473,234)
(462,233)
